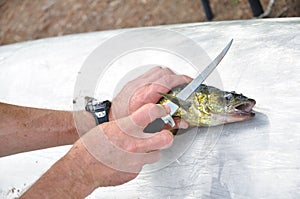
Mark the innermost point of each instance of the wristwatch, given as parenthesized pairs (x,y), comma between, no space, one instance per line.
(99,109)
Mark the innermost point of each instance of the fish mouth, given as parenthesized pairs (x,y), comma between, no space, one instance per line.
(239,112)
(244,110)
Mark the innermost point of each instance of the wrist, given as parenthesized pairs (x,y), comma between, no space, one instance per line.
(83,122)
(110,115)
(79,163)
(67,178)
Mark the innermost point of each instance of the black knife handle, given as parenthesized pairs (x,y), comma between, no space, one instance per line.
(155,126)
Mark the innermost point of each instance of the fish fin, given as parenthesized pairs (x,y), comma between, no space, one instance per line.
(181,103)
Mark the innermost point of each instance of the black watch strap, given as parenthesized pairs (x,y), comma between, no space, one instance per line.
(99,110)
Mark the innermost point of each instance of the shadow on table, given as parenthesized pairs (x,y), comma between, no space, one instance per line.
(222,171)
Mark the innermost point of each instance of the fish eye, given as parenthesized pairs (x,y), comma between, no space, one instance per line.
(228,96)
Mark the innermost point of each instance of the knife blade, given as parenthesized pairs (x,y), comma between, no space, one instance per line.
(159,123)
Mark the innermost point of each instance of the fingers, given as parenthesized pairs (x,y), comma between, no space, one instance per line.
(157,141)
(143,117)
(164,75)
(133,127)
(170,81)
(165,78)
(148,113)
(179,124)
(156,73)
(164,85)
(119,151)
(145,89)
(150,76)
(138,120)
(113,145)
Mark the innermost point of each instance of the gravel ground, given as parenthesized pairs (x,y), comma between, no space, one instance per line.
(22,20)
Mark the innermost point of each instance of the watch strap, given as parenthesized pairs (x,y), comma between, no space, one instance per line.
(100,110)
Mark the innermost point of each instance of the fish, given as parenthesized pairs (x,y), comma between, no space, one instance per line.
(210,106)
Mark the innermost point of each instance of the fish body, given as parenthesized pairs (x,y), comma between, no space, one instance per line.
(210,106)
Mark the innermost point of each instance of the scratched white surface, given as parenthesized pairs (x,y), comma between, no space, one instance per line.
(259,158)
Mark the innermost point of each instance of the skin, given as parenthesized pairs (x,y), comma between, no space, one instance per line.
(25,129)
(85,167)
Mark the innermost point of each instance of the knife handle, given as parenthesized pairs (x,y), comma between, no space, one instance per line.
(155,126)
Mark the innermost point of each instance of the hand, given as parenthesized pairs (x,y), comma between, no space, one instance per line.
(145,89)
(109,154)
(114,152)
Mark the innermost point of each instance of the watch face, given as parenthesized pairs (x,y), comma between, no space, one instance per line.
(100,114)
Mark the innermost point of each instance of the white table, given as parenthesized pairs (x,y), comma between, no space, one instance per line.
(253,159)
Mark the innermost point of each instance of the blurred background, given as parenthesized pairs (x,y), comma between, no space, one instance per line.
(22,20)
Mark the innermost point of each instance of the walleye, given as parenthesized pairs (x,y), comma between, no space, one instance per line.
(210,106)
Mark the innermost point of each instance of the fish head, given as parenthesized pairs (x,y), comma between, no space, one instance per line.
(227,107)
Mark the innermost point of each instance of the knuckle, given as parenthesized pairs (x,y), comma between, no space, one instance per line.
(151,106)
(157,109)
(131,147)
(168,71)
(166,79)
(185,78)
(158,67)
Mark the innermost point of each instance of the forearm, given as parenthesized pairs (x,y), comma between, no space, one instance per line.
(25,129)
(67,178)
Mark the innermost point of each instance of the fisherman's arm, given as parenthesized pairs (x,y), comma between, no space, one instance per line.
(108,155)
(26,129)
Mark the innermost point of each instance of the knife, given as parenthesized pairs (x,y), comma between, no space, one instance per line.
(159,123)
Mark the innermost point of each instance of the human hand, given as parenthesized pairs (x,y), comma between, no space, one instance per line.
(114,152)
(145,89)
(109,154)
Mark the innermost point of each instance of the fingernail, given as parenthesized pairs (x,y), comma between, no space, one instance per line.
(169,137)
(183,125)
